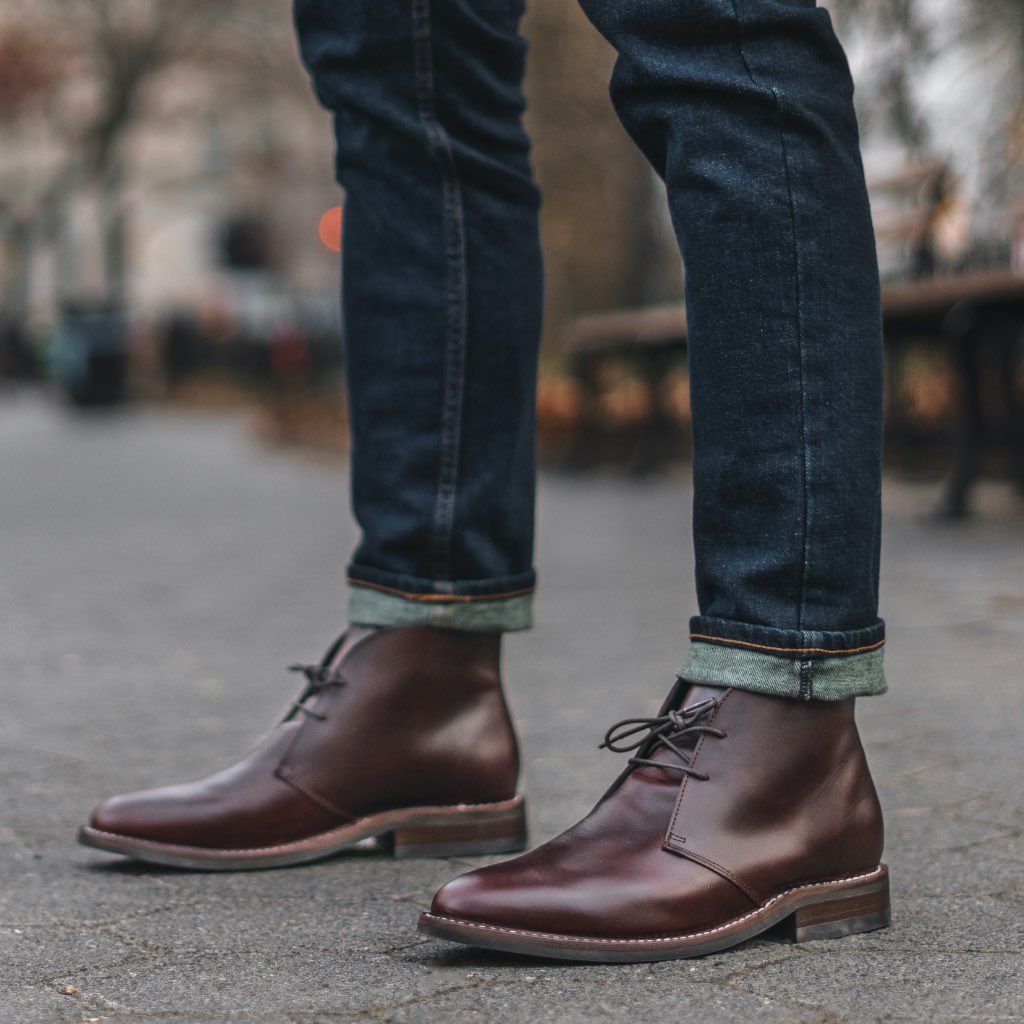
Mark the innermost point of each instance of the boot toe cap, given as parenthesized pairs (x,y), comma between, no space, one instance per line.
(130,814)
(510,895)
(489,896)
(460,898)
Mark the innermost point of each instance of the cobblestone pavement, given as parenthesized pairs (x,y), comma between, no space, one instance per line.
(160,572)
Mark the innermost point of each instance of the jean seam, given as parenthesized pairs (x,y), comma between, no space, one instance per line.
(442,527)
(772,92)
(442,598)
(805,689)
(807,678)
(726,641)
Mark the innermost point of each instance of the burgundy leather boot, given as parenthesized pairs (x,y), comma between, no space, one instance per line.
(738,814)
(401,734)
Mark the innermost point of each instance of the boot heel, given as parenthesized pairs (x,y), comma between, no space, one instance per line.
(864,908)
(497,828)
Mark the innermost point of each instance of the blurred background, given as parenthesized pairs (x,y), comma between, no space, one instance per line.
(169,227)
(169,270)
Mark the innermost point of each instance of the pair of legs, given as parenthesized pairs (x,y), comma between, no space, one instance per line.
(744,108)
(748,801)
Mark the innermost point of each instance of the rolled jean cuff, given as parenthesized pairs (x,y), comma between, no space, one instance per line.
(802,664)
(504,605)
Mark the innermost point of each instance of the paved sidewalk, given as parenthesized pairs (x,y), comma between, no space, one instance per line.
(158,575)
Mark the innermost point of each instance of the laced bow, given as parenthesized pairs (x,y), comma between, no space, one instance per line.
(649,734)
(318,677)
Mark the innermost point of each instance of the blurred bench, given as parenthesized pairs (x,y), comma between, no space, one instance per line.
(645,345)
(978,318)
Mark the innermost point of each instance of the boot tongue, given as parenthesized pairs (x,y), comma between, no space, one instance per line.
(353,636)
(698,694)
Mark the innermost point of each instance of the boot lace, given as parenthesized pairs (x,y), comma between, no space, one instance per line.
(647,735)
(318,678)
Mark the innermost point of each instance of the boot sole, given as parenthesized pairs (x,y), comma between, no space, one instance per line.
(461,830)
(827,910)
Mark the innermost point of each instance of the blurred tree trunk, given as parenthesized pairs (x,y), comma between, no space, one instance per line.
(885,96)
(74,76)
(603,219)
(114,229)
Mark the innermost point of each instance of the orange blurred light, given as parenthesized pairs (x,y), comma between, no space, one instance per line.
(330,228)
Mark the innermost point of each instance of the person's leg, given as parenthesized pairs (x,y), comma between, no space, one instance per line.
(402,731)
(751,124)
(748,802)
(442,303)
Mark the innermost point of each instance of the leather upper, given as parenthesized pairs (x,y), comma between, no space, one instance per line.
(417,718)
(789,801)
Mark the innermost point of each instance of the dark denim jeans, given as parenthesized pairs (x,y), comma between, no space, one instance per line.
(744,108)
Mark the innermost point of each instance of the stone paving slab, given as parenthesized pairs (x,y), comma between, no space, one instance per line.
(159,574)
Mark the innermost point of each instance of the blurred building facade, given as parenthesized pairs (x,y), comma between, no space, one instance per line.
(157,154)
(940,97)
(163,154)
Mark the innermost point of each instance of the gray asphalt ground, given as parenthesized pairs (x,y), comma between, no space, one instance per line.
(160,572)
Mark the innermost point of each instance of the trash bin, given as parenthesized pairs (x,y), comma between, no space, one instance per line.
(90,354)
(18,359)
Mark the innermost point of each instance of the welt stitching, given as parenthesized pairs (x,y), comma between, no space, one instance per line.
(800,339)
(877,873)
(298,844)
(455,321)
